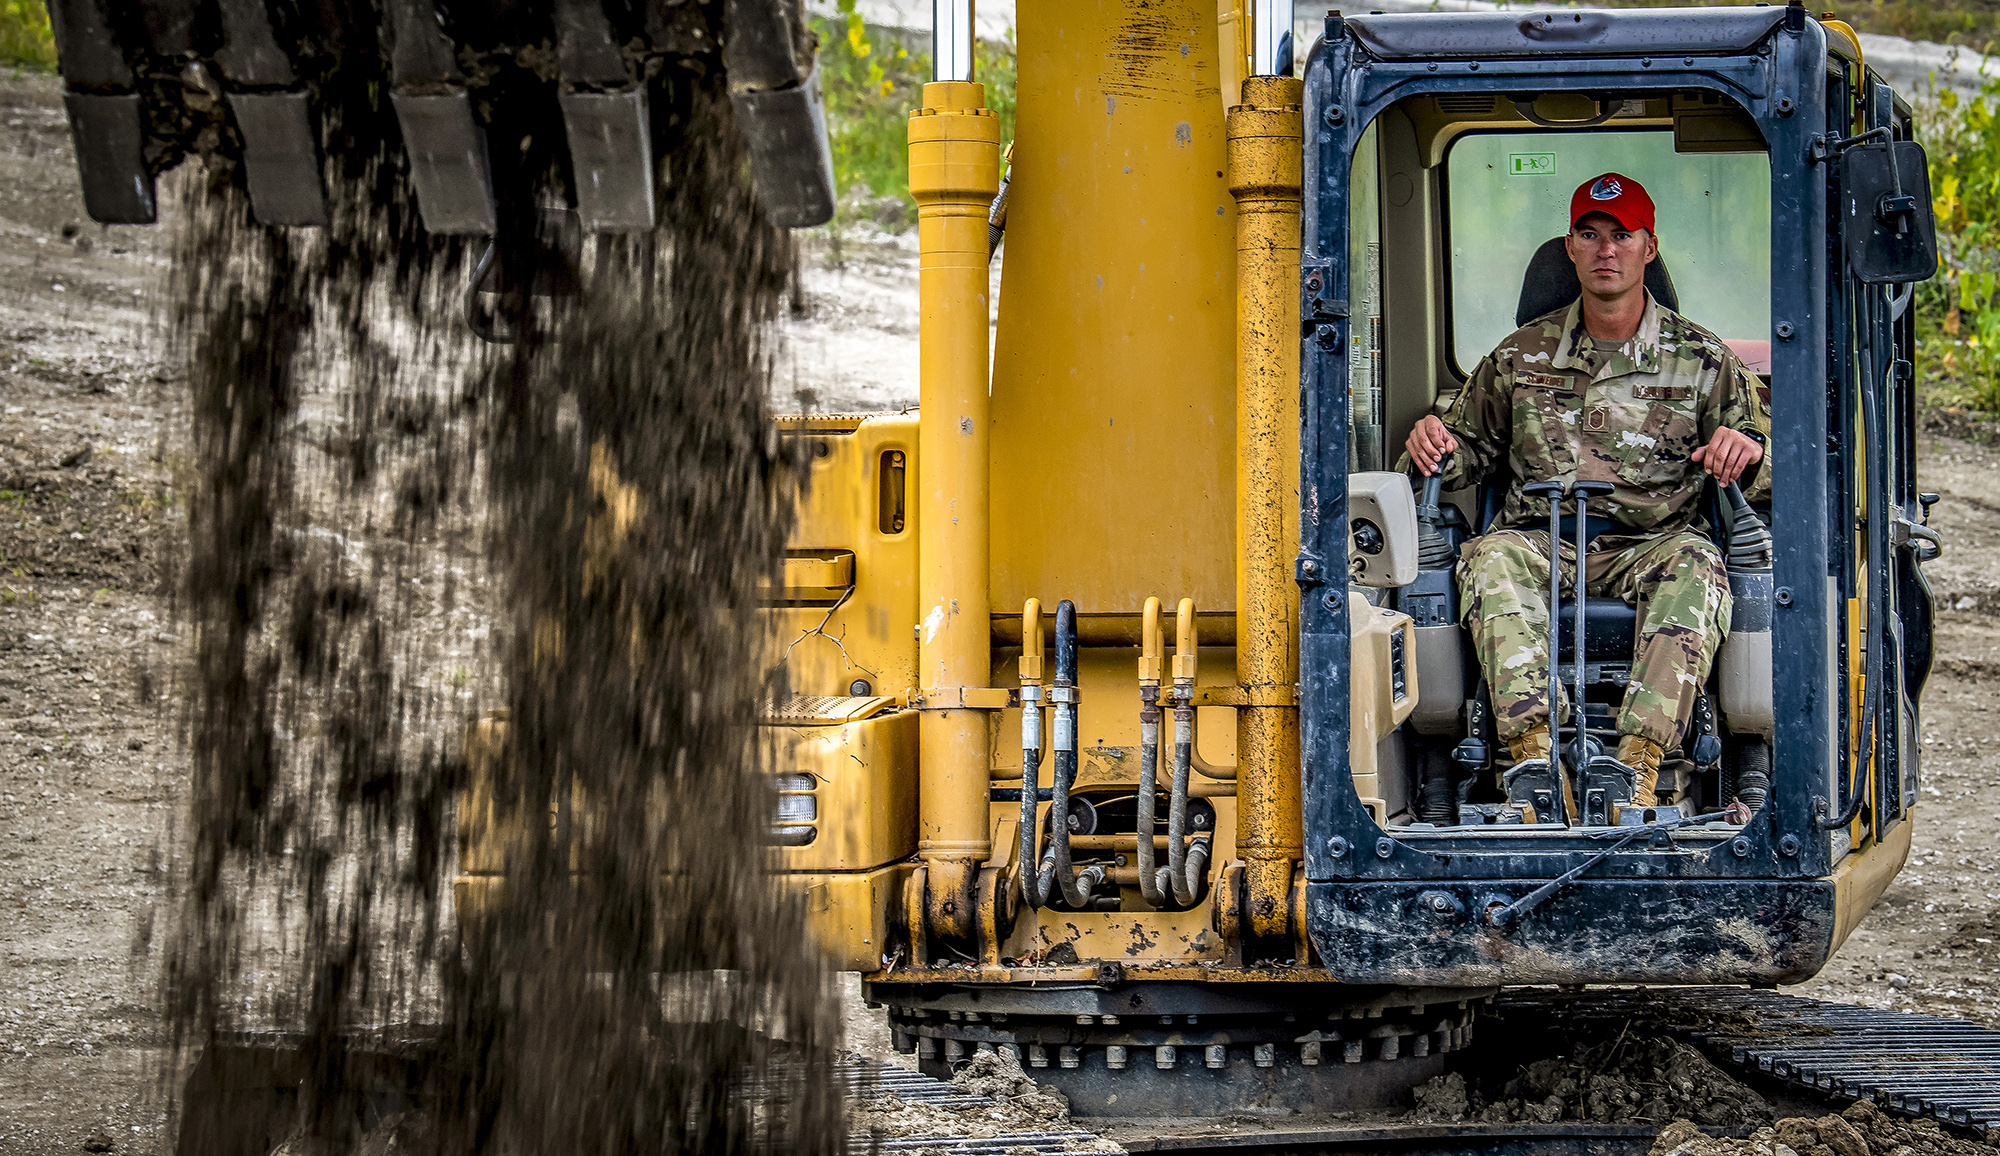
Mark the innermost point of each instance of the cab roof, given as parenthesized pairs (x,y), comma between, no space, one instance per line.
(1566,32)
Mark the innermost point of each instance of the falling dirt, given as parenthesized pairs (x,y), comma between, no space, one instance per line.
(616,965)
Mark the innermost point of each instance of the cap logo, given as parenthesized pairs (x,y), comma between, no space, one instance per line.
(1606,189)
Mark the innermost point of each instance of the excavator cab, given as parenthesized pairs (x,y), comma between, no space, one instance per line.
(1439,161)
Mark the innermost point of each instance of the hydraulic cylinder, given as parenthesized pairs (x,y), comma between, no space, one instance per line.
(1265,163)
(954,174)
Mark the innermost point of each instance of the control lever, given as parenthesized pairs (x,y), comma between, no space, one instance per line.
(1433,548)
(1606,782)
(1538,784)
(1749,538)
(1584,748)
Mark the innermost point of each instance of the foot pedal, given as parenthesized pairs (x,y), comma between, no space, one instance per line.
(1532,786)
(1630,815)
(1491,815)
(1607,791)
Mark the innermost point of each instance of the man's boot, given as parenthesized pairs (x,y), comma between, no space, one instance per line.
(1532,782)
(1530,744)
(1643,756)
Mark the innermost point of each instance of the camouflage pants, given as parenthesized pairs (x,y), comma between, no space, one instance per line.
(1675,580)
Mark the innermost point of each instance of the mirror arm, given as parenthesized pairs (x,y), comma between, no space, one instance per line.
(1825,147)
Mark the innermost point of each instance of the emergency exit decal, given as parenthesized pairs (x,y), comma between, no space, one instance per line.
(1533,164)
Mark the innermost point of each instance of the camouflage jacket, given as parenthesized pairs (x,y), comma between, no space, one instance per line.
(1552,402)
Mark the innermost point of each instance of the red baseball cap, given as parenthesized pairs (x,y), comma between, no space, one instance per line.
(1618,196)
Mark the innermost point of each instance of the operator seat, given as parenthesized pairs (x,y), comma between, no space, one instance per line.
(1609,626)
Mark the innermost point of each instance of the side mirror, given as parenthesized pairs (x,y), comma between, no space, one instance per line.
(1885,212)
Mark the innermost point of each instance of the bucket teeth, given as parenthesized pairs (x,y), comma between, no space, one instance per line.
(266,73)
(447,162)
(110,160)
(280,157)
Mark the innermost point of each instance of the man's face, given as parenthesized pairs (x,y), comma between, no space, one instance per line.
(1610,259)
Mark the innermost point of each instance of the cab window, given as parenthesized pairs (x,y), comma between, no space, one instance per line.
(1508,192)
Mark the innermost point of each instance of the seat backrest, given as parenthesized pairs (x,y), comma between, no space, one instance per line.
(1550,283)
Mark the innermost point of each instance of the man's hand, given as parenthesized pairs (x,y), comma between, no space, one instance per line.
(1726,455)
(1430,441)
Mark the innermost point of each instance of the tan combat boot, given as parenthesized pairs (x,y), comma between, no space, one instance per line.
(1532,744)
(1643,756)
(1535,745)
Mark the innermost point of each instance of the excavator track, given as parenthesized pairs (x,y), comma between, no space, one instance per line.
(1809,1052)
(1905,1063)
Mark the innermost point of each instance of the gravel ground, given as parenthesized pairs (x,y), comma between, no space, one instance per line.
(89,515)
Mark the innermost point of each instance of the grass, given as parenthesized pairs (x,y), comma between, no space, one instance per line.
(1958,311)
(25,38)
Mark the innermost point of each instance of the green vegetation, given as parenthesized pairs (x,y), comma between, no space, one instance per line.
(872,77)
(1973,23)
(25,39)
(1958,311)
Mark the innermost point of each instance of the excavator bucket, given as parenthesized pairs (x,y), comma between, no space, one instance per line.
(269,89)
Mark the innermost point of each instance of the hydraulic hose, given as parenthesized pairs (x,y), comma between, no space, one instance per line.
(1753,774)
(1152,880)
(1187,867)
(1875,660)
(1034,889)
(1076,887)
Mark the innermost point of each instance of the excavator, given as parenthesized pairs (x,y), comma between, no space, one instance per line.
(1131,726)
(1151,747)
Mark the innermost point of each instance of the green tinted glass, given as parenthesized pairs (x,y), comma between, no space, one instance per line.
(1509,192)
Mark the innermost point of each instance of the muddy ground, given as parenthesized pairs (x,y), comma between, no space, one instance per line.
(91,509)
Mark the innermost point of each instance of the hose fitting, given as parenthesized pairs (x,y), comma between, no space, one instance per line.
(1034,890)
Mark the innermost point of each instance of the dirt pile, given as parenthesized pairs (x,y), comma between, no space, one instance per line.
(998,1076)
(1861,1130)
(602,498)
(1637,1080)
(1020,1107)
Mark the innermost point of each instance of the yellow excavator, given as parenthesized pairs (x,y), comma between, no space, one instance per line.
(1132,728)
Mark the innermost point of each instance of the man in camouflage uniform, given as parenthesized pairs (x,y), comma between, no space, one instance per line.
(1615,388)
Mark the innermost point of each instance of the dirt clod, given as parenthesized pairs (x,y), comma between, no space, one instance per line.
(1860,1130)
(1635,1080)
(999,1075)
